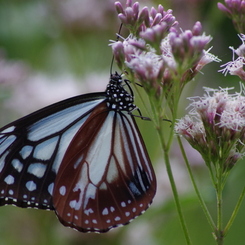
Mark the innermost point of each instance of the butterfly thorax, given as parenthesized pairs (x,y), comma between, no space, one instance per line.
(118,98)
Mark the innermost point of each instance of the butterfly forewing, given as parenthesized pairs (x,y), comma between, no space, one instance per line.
(109,178)
(82,157)
(31,150)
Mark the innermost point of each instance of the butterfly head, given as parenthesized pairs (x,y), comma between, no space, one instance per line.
(116,79)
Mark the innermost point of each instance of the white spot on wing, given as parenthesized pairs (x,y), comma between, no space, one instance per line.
(26,151)
(105,211)
(73,203)
(45,149)
(62,190)
(103,186)
(6,142)
(123,204)
(8,130)
(51,188)
(11,192)
(37,169)
(17,165)
(2,161)
(31,185)
(88,211)
(9,180)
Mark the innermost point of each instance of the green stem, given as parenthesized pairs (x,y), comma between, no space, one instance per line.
(235,211)
(203,205)
(157,112)
(219,231)
(173,186)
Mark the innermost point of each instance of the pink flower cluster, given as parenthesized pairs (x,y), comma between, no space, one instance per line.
(215,126)
(157,53)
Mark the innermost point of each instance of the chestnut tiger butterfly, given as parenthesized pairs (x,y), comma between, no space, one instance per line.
(82,157)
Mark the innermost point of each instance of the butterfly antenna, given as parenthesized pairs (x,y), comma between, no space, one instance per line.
(117,39)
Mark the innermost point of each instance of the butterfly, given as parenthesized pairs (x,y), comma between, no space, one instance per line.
(82,157)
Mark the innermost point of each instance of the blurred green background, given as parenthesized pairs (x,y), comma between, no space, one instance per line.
(51,50)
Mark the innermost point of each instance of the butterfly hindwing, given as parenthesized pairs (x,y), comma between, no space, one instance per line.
(109,178)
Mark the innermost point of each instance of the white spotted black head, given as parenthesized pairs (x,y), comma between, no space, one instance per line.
(118,98)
